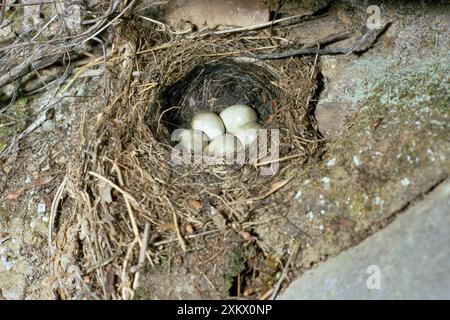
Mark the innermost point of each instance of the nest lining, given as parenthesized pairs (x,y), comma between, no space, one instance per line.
(215,86)
(129,146)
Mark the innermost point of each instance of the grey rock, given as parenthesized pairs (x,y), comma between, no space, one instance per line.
(412,256)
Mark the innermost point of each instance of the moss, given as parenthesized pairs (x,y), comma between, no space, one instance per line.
(13,121)
(235,264)
(143,293)
(400,129)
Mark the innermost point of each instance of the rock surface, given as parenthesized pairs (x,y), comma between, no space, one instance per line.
(411,256)
(392,146)
(207,13)
(411,36)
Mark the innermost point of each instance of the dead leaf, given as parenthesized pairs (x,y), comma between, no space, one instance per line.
(48,201)
(41,180)
(104,189)
(189,228)
(16,194)
(246,236)
(347,223)
(196,204)
(376,123)
(275,186)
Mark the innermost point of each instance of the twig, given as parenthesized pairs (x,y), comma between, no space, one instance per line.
(263,196)
(262,25)
(127,197)
(47,54)
(266,295)
(362,44)
(92,63)
(102,264)
(142,254)
(165,27)
(177,228)
(5,239)
(115,186)
(277,160)
(127,292)
(331,39)
(160,243)
(256,26)
(285,271)
(131,4)
(2,11)
(34,3)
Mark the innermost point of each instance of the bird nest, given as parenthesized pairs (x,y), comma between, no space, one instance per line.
(125,212)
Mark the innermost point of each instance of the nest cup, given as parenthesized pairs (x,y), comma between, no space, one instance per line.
(217,85)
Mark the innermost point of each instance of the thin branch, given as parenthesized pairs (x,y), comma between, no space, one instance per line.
(256,26)
(142,254)
(285,271)
(362,44)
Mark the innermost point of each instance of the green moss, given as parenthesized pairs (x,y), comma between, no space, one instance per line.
(401,127)
(13,121)
(143,293)
(235,264)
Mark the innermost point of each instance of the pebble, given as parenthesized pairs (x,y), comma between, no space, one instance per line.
(405,182)
(41,208)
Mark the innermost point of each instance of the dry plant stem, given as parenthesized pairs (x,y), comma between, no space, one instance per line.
(5,239)
(177,228)
(47,54)
(165,27)
(130,5)
(127,292)
(102,59)
(278,160)
(285,271)
(94,62)
(256,26)
(142,254)
(331,39)
(102,264)
(115,186)
(266,295)
(263,196)
(127,198)
(163,242)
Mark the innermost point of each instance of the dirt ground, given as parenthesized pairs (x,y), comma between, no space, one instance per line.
(384,117)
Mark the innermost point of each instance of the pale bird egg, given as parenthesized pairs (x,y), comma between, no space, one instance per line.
(236,116)
(248,133)
(208,122)
(223,145)
(193,140)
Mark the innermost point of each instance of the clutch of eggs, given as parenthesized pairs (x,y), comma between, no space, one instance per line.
(235,128)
